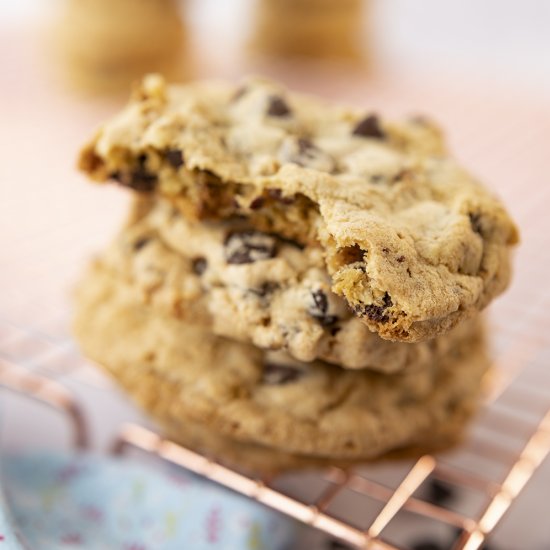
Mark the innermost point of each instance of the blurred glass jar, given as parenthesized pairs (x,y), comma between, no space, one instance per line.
(107,44)
(323,29)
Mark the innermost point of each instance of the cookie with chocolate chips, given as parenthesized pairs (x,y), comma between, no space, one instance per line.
(256,288)
(412,243)
(179,372)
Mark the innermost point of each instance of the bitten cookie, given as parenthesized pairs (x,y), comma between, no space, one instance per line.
(267,398)
(254,287)
(412,242)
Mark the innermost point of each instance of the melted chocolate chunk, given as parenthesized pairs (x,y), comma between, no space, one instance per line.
(277,194)
(475,222)
(374,312)
(199,265)
(174,158)
(305,153)
(278,107)
(319,309)
(276,374)
(400,259)
(250,246)
(141,242)
(257,203)
(139,179)
(369,127)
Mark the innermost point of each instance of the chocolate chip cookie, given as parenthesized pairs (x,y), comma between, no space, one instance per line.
(267,398)
(254,287)
(412,242)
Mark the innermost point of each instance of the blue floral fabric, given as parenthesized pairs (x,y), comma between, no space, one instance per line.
(67,502)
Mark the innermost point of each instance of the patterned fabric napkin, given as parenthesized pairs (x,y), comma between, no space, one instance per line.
(84,501)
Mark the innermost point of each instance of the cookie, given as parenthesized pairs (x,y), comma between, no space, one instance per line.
(267,398)
(322,29)
(254,287)
(108,44)
(411,241)
(249,457)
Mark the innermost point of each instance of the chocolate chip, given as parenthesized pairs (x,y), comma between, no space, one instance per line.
(400,259)
(249,246)
(265,289)
(320,302)
(199,265)
(439,492)
(475,222)
(369,127)
(142,181)
(278,107)
(257,203)
(139,179)
(277,194)
(141,242)
(319,309)
(174,158)
(374,312)
(304,152)
(385,250)
(276,374)
(291,242)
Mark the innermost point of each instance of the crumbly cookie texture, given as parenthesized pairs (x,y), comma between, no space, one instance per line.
(254,287)
(267,398)
(412,242)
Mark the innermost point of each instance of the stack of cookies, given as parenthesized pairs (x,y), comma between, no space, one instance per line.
(297,283)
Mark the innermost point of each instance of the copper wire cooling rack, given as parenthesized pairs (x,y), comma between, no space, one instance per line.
(50,224)
(509,440)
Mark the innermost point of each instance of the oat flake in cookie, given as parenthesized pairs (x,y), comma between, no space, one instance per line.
(412,242)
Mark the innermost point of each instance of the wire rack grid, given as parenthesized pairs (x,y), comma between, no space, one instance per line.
(496,135)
